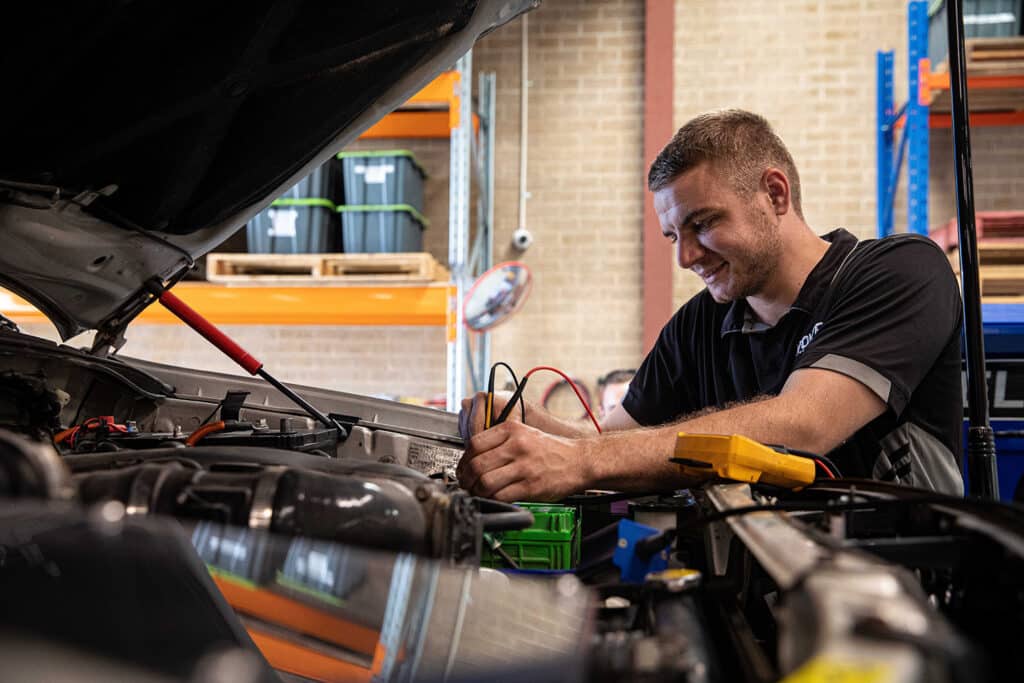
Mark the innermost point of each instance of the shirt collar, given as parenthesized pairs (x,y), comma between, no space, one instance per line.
(739,317)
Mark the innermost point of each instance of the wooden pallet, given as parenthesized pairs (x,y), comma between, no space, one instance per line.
(1001,270)
(989,57)
(992,227)
(994,56)
(998,281)
(324,269)
(996,253)
(1004,99)
(1001,284)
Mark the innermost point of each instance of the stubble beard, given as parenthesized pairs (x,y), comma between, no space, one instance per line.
(757,266)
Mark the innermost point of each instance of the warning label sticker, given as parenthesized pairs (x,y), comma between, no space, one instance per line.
(430,458)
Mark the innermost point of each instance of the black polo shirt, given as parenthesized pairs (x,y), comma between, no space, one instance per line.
(885,312)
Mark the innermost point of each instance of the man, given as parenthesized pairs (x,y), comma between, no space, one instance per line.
(822,344)
(612,388)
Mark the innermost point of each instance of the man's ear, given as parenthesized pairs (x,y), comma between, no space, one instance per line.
(776,184)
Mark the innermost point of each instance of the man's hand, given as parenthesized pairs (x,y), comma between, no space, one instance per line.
(514,462)
(474,412)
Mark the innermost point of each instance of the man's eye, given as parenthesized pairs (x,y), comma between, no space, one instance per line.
(672,237)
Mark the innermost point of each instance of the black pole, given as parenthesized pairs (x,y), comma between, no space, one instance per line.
(981,444)
(301,402)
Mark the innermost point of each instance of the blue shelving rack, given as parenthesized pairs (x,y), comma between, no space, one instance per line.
(913,142)
(916,120)
(1004,322)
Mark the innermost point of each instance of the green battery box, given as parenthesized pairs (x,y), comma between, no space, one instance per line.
(553,542)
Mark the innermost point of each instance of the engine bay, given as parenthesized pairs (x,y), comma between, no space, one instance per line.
(350,553)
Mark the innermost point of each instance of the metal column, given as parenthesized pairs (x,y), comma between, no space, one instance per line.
(981,445)
(917,119)
(886,175)
(485,224)
(458,229)
(888,169)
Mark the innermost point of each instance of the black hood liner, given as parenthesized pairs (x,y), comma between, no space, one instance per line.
(196,110)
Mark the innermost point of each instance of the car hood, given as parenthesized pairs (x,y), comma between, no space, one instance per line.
(137,136)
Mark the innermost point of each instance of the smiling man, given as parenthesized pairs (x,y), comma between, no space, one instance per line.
(821,343)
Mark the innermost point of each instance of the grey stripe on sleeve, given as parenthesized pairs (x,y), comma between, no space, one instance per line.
(867,376)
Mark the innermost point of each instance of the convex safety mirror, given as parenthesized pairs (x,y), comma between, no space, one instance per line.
(496,295)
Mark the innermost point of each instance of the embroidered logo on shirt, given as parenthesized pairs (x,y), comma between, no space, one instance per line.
(808,338)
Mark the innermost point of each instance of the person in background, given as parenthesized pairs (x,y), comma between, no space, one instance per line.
(611,389)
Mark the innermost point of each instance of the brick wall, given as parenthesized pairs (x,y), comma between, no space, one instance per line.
(809,68)
(585,171)
(808,65)
(404,361)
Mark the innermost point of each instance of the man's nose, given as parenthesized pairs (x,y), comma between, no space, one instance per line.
(688,251)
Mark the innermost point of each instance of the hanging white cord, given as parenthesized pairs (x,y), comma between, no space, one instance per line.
(524,86)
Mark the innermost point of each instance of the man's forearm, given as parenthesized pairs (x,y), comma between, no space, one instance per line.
(634,460)
(638,459)
(546,422)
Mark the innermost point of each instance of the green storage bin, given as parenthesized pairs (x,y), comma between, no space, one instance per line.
(553,542)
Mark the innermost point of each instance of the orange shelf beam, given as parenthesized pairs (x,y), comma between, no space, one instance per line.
(414,124)
(431,113)
(940,81)
(375,305)
(980,119)
(439,93)
(930,81)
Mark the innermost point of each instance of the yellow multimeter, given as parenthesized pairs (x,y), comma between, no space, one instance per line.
(739,458)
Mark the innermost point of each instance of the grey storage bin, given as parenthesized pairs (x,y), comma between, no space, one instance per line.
(325,182)
(294,226)
(382,178)
(387,228)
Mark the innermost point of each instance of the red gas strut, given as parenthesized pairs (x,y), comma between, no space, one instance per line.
(250,364)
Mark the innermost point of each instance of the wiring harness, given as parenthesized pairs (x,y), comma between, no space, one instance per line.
(517,396)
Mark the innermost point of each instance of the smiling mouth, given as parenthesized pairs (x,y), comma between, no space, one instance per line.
(709,275)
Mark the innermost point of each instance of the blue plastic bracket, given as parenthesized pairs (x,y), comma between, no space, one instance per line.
(634,568)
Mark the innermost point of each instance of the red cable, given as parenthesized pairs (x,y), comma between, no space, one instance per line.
(586,406)
(68,433)
(92,423)
(203,431)
(823,466)
(546,396)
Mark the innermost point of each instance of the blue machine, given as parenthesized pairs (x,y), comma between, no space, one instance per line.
(1004,358)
